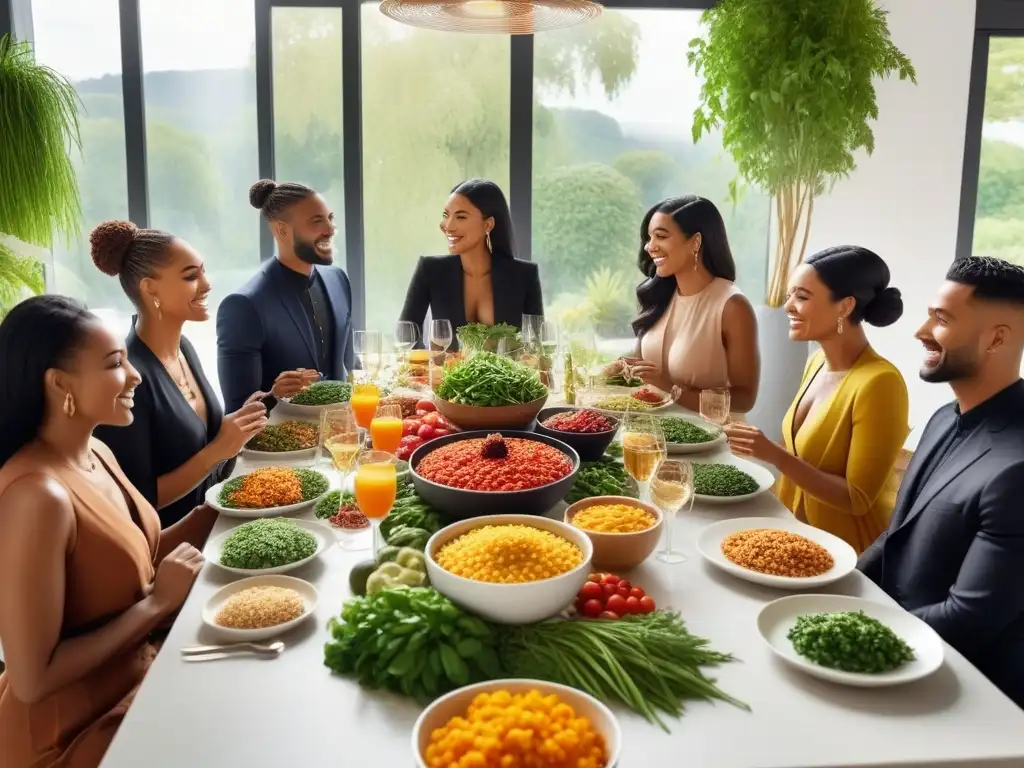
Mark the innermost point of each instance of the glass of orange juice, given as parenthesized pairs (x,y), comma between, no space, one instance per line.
(386,428)
(364,400)
(376,487)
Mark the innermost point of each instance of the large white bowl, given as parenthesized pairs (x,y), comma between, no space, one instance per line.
(511,603)
(231,635)
(456,703)
(778,617)
(324,538)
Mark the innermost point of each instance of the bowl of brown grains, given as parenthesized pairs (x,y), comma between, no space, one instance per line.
(260,607)
(782,553)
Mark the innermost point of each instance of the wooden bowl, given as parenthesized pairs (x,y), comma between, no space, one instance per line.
(472,417)
(619,551)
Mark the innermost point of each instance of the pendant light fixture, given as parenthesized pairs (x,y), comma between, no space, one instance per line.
(502,17)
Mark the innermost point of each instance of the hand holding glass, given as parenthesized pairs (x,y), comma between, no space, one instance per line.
(671,490)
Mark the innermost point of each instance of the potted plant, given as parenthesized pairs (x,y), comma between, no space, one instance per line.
(791,85)
(38,128)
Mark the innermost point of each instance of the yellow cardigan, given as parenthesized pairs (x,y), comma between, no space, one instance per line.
(858,434)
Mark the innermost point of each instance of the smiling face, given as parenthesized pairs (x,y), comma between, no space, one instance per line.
(957,335)
(464,225)
(310,227)
(670,249)
(810,309)
(180,285)
(99,377)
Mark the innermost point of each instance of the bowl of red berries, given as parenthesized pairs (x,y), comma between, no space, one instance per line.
(587,431)
(606,596)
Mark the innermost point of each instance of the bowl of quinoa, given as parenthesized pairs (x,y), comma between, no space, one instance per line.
(510,569)
(260,607)
(624,531)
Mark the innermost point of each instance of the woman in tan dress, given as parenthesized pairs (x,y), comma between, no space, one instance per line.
(80,594)
(696,329)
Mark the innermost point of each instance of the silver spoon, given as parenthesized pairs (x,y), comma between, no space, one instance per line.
(275,647)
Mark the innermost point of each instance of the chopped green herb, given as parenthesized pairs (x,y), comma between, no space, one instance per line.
(849,641)
(267,544)
(683,432)
(722,480)
(324,393)
(313,483)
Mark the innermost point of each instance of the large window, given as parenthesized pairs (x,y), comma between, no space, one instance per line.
(999,222)
(435,112)
(615,100)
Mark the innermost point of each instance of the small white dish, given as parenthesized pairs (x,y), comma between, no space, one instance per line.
(278,457)
(455,704)
(324,538)
(213,496)
(679,449)
(777,618)
(765,480)
(306,590)
(709,544)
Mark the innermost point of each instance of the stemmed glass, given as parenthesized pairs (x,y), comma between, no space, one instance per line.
(343,439)
(376,489)
(715,405)
(368,346)
(643,449)
(440,335)
(671,490)
(548,343)
(386,428)
(406,336)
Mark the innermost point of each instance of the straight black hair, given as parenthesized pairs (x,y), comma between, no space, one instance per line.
(490,201)
(849,270)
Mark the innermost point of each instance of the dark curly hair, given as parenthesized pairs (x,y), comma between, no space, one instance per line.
(992,279)
(274,199)
(120,249)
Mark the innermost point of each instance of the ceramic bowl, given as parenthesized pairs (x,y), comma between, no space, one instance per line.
(470,417)
(589,445)
(619,551)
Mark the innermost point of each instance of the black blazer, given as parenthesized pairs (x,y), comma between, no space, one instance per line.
(954,552)
(437,284)
(165,432)
(263,330)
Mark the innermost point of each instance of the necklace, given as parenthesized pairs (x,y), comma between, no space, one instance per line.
(183,386)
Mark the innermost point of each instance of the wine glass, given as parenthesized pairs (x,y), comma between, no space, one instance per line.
(376,489)
(671,490)
(440,335)
(643,449)
(367,346)
(548,344)
(342,437)
(406,336)
(715,405)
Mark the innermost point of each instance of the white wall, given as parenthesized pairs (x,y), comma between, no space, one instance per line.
(903,201)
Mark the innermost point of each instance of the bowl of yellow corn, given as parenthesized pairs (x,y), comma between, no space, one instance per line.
(485,723)
(510,569)
(623,531)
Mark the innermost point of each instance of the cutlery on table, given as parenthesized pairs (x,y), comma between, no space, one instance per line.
(210,652)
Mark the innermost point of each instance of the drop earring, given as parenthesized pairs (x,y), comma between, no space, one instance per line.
(696,260)
(156,306)
(487,239)
(839,325)
(69,405)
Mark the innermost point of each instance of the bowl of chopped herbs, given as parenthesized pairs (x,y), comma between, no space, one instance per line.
(490,391)
(690,435)
(730,483)
(850,640)
(268,546)
(268,492)
(285,441)
(319,395)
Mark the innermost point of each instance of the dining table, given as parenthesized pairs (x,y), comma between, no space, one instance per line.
(251,712)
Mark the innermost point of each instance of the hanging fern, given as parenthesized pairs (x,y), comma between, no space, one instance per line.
(38,131)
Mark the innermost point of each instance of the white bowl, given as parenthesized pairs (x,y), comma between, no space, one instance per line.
(277,457)
(454,704)
(511,603)
(679,449)
(765,480)
(324,538)
(778,617)
(213,605)
(213,494)
(709,544)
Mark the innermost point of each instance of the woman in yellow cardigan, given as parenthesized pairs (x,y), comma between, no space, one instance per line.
(845,429)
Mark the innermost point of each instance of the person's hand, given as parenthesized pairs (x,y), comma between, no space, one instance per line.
(747,440)
(175,576)
(238,428)
(289,383)
(645,370)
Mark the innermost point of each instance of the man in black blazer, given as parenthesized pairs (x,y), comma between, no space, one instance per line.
(954,552)
(292,320)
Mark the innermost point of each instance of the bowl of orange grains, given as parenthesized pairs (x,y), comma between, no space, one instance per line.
(585,430)
(517,723)
(268,491)
(509,569)
(467,474)
(623,531)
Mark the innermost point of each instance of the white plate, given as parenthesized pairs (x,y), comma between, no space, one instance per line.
(324,537)
(764,478)
(303,412)
(709,544)
(213,493)
(621,414)
(277,457)
(213,605)
(678,449)
(778,617)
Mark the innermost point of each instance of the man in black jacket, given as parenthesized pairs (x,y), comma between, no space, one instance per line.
(954,552)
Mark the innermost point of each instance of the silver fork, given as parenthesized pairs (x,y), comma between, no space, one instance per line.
(215,652)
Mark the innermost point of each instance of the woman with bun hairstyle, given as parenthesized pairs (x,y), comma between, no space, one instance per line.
(845,429)
(180,442)
(86,574)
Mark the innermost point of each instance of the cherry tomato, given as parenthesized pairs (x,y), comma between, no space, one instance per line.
(624,584)
(647,604)
(592,608)
(633,605)
(411,426)
(624,591)
(609,578)
(427,406)
(609,590)
(609,615)
(432,419)
(426,432)
(403,453)
(441,431)
(616,604)
(591,591)
(636,592)
(595,578)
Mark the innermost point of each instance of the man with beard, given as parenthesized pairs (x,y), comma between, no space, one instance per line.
(291,323)
(954,551)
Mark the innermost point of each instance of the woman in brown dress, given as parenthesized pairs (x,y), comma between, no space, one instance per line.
(85,574)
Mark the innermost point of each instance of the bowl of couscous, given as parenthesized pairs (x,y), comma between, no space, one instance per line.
(623,531)
(503,710)
(259,607)
(510,569)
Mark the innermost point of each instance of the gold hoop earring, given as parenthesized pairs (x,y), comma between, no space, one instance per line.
(69,405)
(487,239)
(839,325)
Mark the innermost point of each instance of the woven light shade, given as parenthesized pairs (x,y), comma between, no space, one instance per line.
(502,17)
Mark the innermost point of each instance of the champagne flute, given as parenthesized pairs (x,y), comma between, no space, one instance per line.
(548,343)
(715,405)
(671,490)
(643,449)
(342,437)
(367,346)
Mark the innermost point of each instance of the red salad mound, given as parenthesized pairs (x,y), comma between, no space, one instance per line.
(581,422)
(495,464)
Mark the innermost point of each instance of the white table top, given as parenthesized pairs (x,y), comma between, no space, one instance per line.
(293,712)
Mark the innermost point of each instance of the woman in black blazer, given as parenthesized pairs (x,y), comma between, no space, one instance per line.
(481,281)
(180,442)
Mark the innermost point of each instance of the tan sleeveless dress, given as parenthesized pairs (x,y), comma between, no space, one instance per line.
(109,567)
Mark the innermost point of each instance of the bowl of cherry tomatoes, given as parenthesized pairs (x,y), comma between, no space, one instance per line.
(606,596)
(421,427)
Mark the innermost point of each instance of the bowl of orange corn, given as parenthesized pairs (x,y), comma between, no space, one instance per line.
(519,723)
